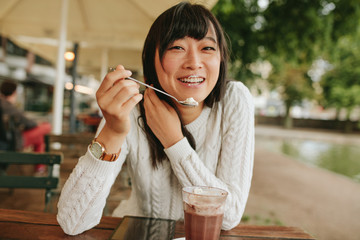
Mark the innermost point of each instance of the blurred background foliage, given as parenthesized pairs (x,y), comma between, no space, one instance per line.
(293,37)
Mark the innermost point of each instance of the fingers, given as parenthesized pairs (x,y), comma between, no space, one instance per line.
(122,86)
(121,96)
(162,119)
(116,95)
(127,98)
(111,78)
(147,98)
(153,100)
(153,104)
(131,102)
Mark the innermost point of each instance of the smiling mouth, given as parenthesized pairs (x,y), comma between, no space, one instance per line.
(192,80)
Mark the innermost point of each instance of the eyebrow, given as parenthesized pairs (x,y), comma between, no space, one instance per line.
(211,39)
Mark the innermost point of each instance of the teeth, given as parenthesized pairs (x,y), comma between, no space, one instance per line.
(191,80)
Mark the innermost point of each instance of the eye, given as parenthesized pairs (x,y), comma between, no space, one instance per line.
(209,48)
(175,48)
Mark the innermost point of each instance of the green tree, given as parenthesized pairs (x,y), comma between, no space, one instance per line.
(342,84)
(295,33)
(289,34)
(293,85)
(238,18)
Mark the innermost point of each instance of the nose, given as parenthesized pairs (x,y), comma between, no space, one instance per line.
(193,60)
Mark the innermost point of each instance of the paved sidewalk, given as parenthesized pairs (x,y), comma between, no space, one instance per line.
(306,133)
(284,191)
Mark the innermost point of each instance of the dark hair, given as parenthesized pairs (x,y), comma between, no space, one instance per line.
(182,20)
(8,87)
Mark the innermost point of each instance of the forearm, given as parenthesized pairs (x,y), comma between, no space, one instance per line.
(187,166)
(20,118)
(84,194)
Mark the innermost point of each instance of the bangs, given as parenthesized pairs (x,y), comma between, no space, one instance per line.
(184,21)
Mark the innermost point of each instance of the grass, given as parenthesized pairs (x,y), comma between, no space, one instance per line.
(271,219)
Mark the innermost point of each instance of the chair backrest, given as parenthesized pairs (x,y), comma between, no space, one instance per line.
(73,145)
(48,182)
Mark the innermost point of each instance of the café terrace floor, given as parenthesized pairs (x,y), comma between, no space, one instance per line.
(283,191)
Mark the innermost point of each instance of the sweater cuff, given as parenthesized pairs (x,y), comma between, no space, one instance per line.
(96,166)
(179,150)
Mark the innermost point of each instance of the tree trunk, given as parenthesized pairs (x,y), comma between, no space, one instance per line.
(288,121)
(348,124)
(337,114)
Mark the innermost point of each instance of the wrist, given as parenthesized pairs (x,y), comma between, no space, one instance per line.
(111,140)
(99,152)
(170,142)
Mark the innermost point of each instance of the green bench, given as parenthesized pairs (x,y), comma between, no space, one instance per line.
(72,145)
(48,182)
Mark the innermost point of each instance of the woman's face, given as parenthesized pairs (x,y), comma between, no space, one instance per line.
(190,67)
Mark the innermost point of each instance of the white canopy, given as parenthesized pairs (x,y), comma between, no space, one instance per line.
(115,27)
(109,32)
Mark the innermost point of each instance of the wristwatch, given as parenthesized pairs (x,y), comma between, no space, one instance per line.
(98,150)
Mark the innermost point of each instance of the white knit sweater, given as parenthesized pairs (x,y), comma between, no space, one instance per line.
(223,158)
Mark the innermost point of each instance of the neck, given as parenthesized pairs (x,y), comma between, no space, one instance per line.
(189,114)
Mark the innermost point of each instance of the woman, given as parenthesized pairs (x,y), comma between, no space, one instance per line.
(168,146)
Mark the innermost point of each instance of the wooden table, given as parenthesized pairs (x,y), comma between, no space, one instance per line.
(17,224)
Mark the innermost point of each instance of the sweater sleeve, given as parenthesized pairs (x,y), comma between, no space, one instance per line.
(84,194)
(235,163)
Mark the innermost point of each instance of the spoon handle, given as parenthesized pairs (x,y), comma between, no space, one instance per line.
(147,85)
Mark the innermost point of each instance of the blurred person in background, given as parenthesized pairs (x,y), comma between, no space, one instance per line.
(18,131)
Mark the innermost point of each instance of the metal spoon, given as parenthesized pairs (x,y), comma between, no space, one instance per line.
(190,102)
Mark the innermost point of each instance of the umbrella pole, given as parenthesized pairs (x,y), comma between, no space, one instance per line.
(72,93)
(58,97)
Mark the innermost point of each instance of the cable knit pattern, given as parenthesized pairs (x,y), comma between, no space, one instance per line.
(223,158)
(86,189)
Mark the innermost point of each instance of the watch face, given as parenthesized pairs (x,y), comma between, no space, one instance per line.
(96,149)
